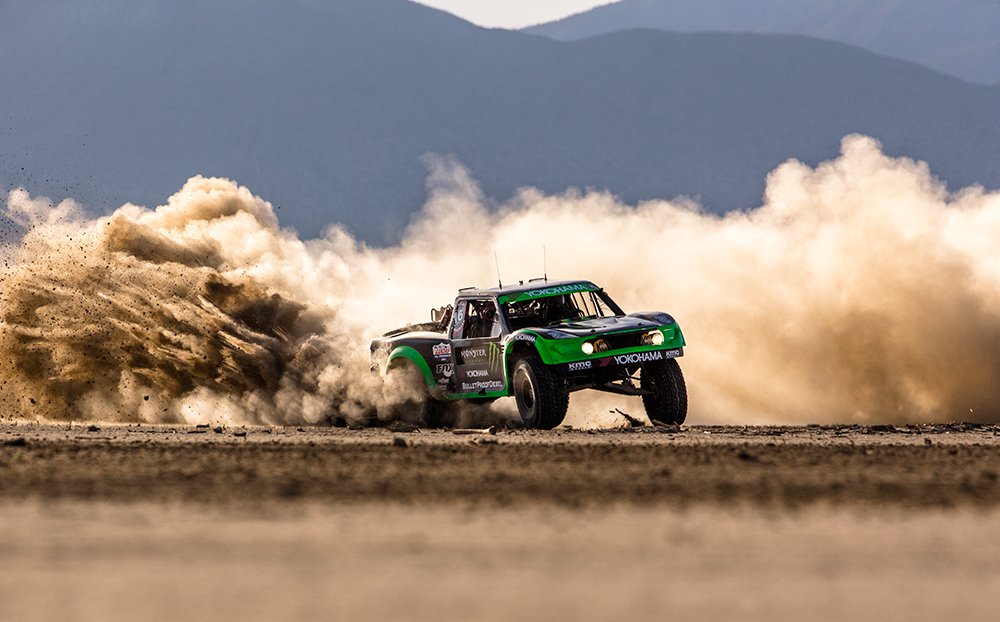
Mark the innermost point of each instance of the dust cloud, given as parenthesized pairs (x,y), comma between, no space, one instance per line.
(861,290)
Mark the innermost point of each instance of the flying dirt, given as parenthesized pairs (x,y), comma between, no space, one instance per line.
(861,290)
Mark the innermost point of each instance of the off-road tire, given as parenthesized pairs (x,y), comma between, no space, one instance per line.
(667,398)
(541,400)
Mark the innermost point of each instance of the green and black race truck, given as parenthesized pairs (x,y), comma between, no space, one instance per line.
(539,341)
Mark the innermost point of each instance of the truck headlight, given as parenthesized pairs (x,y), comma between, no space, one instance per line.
(653,338)
(587,347)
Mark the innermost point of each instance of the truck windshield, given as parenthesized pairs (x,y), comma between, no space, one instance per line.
(560,309)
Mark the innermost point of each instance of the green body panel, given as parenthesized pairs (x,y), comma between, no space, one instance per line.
(558,351)
(408,353)
(477,396)
(551,351)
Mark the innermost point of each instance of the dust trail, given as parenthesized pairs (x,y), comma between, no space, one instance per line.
(862,290)
(154,316)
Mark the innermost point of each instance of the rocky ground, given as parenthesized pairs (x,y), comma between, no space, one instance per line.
(709,522)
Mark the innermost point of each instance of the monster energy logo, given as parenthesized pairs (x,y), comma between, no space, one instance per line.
(494,357)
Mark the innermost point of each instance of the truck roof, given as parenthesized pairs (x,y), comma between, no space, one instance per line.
(531,289)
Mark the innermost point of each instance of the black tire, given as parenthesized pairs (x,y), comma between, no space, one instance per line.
(541,401)
(421,408)
(439,413)
(667,398)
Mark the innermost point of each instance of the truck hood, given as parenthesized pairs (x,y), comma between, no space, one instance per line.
(596,326)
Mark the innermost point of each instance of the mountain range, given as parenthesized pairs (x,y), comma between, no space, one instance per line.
(327,107)
(958,37)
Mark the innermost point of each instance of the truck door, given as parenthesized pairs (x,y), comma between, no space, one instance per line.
(476,348)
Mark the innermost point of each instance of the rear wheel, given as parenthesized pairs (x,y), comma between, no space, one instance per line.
(666,400)
(541,401)
(411,402)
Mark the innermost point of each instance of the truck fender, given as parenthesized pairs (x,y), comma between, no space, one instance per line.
(518,345)
(402,353)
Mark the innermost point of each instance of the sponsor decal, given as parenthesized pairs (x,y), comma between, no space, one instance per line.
(561,289)
(490,354)
(473,353)
(523,337)
(495,356)
(444,369)
(638,357)
(580,365)
(441,350)
(477,373)
(642,357)
(488,385)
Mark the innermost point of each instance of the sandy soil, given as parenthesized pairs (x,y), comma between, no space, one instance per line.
(161,522)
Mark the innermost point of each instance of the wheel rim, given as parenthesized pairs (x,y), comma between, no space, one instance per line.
(526,391)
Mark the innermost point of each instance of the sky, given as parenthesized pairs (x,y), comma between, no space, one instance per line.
(512,13)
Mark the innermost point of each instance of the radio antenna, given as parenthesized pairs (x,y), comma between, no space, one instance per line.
(497,262)
(545,264)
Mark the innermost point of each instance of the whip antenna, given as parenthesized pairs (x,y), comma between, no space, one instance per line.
(497,262)
(545,264)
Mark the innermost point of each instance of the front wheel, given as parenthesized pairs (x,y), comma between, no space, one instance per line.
(665,399)
(541,401)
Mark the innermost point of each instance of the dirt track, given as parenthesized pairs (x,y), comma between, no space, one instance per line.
(708,523)
(942,466)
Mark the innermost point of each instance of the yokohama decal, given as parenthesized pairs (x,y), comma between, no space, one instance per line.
(637,358)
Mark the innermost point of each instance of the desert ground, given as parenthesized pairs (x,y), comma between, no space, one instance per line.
(158,522)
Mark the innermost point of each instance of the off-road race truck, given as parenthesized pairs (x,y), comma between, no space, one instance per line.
(538,341)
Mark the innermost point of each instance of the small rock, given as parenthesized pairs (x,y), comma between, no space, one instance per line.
(20,441)
(881,428)
(486,441)
(217,429)
(240,433)
(201,425)
(93,428)
(398,441)
(928,441)
(402,426)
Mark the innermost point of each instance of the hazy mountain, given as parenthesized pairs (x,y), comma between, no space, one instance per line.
(325,108)
(959,37)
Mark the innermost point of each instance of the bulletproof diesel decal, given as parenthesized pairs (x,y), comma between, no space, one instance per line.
(487,385)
